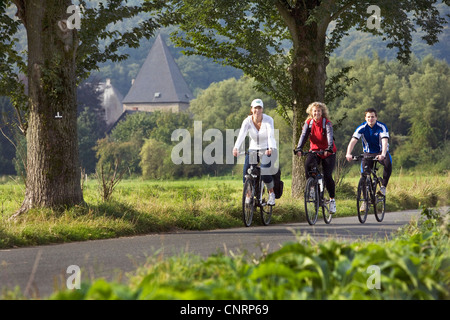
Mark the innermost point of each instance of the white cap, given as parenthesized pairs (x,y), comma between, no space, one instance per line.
(257,102)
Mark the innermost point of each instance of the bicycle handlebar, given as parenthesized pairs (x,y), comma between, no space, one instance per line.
(297,150)
(361,156)
(259,152)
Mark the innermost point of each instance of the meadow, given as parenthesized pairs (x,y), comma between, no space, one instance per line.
(147,206)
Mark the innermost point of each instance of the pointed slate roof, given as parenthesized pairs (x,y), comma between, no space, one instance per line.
(159,80)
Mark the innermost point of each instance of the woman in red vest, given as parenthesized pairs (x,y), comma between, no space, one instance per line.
(320,132)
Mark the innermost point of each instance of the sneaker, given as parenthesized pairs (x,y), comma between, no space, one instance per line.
(248,200)
(363,206)
(382,191)
(332,206)
(271,201)
(312,194)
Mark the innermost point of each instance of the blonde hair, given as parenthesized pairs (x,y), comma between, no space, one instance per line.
(319,105)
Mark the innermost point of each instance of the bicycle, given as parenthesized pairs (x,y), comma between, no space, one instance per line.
(255,195)
(315,193)
(367,194)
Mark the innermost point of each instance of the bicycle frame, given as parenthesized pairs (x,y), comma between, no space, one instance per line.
(255,176)
(372,198)
(257,187)
(316,182)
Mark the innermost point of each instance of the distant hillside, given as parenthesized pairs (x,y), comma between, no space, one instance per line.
(200,72)
(363,44)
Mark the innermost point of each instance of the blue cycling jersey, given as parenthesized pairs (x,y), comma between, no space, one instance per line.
(371,137)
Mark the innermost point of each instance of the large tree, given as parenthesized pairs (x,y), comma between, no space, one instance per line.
(251,35)
(58,57)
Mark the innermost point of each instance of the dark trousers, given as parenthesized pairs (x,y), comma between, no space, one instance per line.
(328,165)
(267,166)
(386,163)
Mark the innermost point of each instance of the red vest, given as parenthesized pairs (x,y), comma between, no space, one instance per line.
(318,136)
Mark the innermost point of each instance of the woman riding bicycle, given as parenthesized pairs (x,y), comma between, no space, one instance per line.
(320,132)
(261,130)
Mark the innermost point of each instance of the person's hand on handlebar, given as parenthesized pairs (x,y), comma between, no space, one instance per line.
(326,153)
(298,152)
(349,157)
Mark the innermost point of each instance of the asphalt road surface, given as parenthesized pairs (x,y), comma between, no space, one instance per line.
(39,270)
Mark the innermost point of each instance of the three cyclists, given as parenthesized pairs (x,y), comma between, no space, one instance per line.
(318,128)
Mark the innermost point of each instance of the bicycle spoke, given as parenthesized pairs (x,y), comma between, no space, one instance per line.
(327,216)
(362,203)
(311,201)
(266,210)
(248,202)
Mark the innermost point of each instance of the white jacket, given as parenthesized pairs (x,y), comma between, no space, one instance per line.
(259,140)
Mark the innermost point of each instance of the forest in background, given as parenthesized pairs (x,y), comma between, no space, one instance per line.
(411,99)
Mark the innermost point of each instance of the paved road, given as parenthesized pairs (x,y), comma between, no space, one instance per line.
(39,270)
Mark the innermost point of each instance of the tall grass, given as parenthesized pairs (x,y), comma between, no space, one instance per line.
(139,207)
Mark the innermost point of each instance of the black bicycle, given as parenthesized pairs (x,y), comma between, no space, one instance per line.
(367,195)
(255,196)
(316,193)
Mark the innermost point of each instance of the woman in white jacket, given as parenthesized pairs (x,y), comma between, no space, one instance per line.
(260,129)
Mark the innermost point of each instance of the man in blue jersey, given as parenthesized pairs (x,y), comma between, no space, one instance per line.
(375,139)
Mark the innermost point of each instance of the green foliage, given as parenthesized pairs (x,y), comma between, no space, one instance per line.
(224,105)
(123,154)
(411,100)
(156,162)
(414,265)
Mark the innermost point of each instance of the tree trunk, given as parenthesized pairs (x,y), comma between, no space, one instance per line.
(53,172)
(308,71)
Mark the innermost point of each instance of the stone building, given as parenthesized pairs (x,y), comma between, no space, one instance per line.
(159,84)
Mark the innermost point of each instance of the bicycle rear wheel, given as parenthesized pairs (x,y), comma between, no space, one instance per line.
(266,210)
(379,206)
(327,216)
(311,201)
(362,200)
(248,202)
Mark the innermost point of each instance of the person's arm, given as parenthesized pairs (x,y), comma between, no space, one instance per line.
(271,142)
(384,147)
(304,136)
(329,134)
(384,135)
(242,133)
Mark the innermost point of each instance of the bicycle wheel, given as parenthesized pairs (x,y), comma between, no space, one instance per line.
(379,206)
(265,209)
(311,201)
(325,204)
(362,197)
(248,202)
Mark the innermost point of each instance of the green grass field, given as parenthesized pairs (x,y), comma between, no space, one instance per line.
(139,207)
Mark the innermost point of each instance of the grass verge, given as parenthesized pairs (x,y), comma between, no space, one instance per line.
(140,207)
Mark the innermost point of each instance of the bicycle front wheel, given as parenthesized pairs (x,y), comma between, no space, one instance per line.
(248,202)
(362,200)
(311,201)
(266,210)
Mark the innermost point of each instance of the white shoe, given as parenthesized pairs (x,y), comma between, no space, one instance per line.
(332,206)
(271,201)
(363,206)
(382,191)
